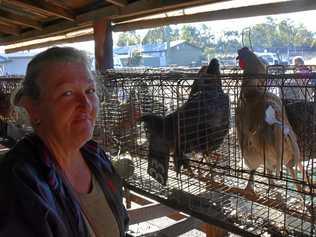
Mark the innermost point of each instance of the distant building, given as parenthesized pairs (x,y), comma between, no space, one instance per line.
(177,53)
(2,63)
(14,63)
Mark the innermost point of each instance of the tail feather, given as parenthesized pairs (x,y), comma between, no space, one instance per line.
(295,147)
(153,123)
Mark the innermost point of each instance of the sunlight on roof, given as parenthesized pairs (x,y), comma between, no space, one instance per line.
(211,7)
(228,5)
(54,38)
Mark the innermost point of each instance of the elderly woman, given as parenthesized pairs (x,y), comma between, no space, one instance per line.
(298,89)
(57,181)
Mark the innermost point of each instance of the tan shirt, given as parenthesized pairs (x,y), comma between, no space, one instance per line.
(97,212)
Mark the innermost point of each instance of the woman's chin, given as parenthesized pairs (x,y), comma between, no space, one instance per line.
(83,133)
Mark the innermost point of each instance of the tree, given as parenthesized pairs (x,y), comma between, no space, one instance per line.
(190,34)
(201,37)
(129,38)
(229,43)
(272,34)
(264,35)
(161,35)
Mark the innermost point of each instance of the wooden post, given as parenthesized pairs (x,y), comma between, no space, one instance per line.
(213,231)
(127,195)
(103,44)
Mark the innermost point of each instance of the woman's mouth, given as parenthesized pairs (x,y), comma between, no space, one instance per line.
(82,117)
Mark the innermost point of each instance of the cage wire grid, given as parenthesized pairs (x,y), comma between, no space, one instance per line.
(212,186)
(7,114)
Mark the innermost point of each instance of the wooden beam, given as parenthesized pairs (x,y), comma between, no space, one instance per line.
(119,3)
(233,13)
(177,216)
(136,9)
(49,31)
(103,44)
(85,19)
(18,20)
(3,150)
(98,13)
(139,200)
(178,228)
(12,30)
(43,8)
(50,43)
(146,8)
(141,8)
(213,231)
(149,212)
(150,7)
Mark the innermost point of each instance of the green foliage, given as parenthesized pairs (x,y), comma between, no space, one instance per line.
(280,34)
(266,35)
(160,35)
(229,43)
(129,38)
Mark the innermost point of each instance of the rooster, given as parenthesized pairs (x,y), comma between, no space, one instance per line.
(265,135)
(5,105)
(302,116)
(116,126)
(199,125)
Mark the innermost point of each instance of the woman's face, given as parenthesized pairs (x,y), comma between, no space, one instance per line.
(68,104)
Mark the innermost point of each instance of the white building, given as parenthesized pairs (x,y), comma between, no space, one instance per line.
(14,63)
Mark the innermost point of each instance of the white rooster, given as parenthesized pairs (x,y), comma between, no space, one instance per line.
(264,132)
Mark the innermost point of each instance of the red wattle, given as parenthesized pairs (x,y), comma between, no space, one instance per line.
(242,64)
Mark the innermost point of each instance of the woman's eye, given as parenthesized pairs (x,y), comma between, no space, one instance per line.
(67,93)
(91,91)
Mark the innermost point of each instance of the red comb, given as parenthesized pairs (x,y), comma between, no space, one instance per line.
(242,63)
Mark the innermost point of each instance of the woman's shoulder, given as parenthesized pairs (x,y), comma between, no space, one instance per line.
(95,154)
(23,152)
(20,162)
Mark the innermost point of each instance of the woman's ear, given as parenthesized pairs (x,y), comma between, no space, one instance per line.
(31,107)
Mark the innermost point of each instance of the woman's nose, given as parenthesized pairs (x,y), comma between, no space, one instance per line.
(85,102)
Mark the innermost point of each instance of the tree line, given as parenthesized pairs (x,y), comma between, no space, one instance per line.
(269,35)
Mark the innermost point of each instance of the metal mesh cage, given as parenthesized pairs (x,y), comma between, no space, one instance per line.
(185,146)
(203,172)
(7,112)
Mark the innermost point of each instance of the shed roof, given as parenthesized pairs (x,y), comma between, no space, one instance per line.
(3,59)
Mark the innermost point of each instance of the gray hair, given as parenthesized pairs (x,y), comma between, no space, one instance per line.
(299,60)
(29,86)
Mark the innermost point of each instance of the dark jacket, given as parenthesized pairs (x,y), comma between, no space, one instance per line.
(35,201)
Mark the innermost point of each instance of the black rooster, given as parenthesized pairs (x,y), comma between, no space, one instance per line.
(199,125)
(302,117)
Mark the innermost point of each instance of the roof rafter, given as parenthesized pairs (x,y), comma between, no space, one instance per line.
(119,3)
(85,20)
(18,20)
(232,13)
(141,8)
(12,30)
(49,43)
(153,6)
(43,7)
(52,30)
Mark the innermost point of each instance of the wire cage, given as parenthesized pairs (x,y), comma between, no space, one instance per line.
(7,113)
(186,150)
